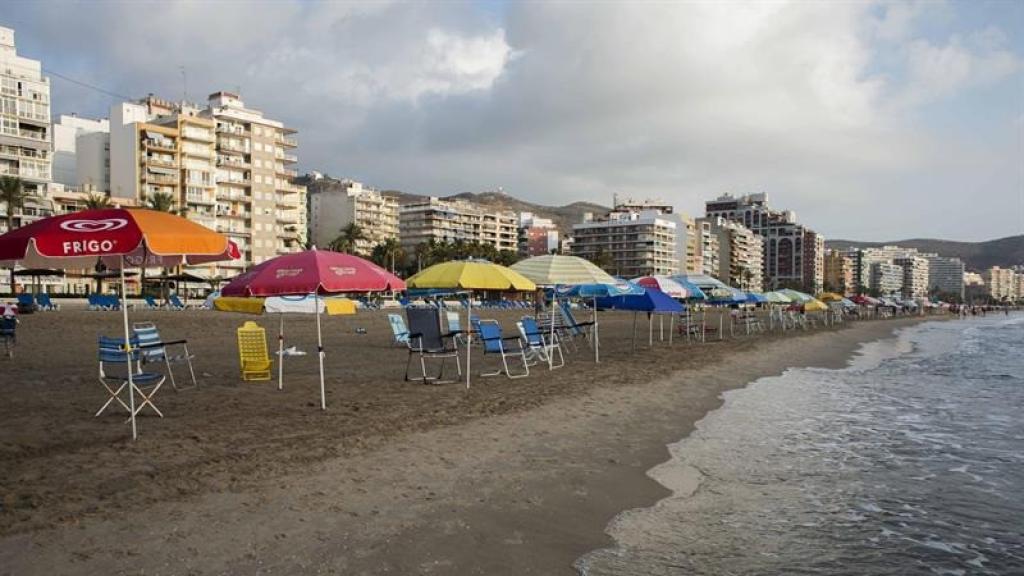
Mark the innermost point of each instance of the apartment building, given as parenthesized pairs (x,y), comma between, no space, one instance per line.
(90,167)
(334,204)
(740,254)
(793,254)
(628,243)
(449,220)
(692,243)
(224,165)
(839,275)
(886,278)
(25,138)
(1000,283)
(536,236)
(946,275)
(915,276)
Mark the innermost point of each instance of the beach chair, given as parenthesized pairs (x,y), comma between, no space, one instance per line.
(537,342)
(26,304)
(504,346)
(8,333)
(455,326)
(398,329)
(151,303)
(146,384)
(426,341)
(254,360)
(570,326)
(44,303)
(175,303)
(155,350)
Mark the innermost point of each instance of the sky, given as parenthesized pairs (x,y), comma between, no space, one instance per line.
(871,120)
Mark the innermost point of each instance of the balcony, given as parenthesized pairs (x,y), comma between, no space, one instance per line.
(288,233)
(37,135)
(199,199)
(285,141)
(234,130)
(287,158)
(233,161)
(233,197)
(287,217)
(233,231)
(245,182)
(287,172)
(235,215)
(288,188)
(159,179)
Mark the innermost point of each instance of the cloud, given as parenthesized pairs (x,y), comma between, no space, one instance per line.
(833,108)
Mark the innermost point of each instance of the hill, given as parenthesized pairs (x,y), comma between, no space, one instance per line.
(1003,252)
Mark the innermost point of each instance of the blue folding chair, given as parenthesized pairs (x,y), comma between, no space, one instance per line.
(504,346)
(175,302)
(155,350)
(428,342)
(26,304)
(398,329)
(151,303)
(537,342)
(44,303)
(112,354)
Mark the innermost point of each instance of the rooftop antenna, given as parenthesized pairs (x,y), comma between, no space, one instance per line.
(184,84)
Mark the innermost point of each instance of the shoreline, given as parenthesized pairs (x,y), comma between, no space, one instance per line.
(528,491)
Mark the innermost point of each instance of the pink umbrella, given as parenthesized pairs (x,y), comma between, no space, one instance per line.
(313,272)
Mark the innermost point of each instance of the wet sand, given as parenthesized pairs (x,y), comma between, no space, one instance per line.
(509,477)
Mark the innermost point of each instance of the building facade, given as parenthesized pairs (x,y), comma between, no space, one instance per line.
(450,220)
(66,158)
(628,243)
(537,236)
(740,258)
(839,273)
(793,254)
(945,275)
(25,135)
(886,278)
(1000,283)
(915,276)
(335,204)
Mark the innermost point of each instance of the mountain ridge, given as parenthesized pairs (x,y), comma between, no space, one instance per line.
(1003,252)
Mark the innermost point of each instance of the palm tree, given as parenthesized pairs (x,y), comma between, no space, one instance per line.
(13,195)
(387,253)
(347,240)
(96,201)
(161,202)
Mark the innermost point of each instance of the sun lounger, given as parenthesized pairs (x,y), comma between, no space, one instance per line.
(426,341)
(43,302)
(26,304)
(175,303)
(151,303)
(505,347)
(155,350)
(146,384)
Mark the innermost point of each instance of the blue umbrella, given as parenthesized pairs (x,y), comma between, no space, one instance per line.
(755,298)
(650,300)
(728,295)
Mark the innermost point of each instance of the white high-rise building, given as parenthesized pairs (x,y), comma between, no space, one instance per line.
(25,140)
(915,276)
(629,243)
(93,157)
(449,220)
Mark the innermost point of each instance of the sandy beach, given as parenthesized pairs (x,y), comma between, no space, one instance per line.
(509,477)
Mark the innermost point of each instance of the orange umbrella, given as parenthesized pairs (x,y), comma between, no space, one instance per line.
(119,237)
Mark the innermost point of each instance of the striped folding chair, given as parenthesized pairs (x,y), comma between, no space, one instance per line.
(156,350)
(111,355)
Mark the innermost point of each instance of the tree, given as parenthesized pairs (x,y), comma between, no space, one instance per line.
(95,201)
(348,238)
(387,253)
(13,195)
(161,202)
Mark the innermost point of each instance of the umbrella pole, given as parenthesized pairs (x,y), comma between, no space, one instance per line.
(551,341)
(634,331)
(597,338)
(320,350)
(671,328)
(469,336)
(280,354)
(650,329)
(128,351)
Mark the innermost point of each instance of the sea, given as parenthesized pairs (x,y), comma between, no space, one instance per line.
(908,461)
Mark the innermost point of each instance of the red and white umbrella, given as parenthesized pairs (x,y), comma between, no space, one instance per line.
(664,283)
(120,238)
(314,272)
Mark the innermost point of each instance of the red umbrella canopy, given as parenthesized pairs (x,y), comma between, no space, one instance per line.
(320,271)
(76,240)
